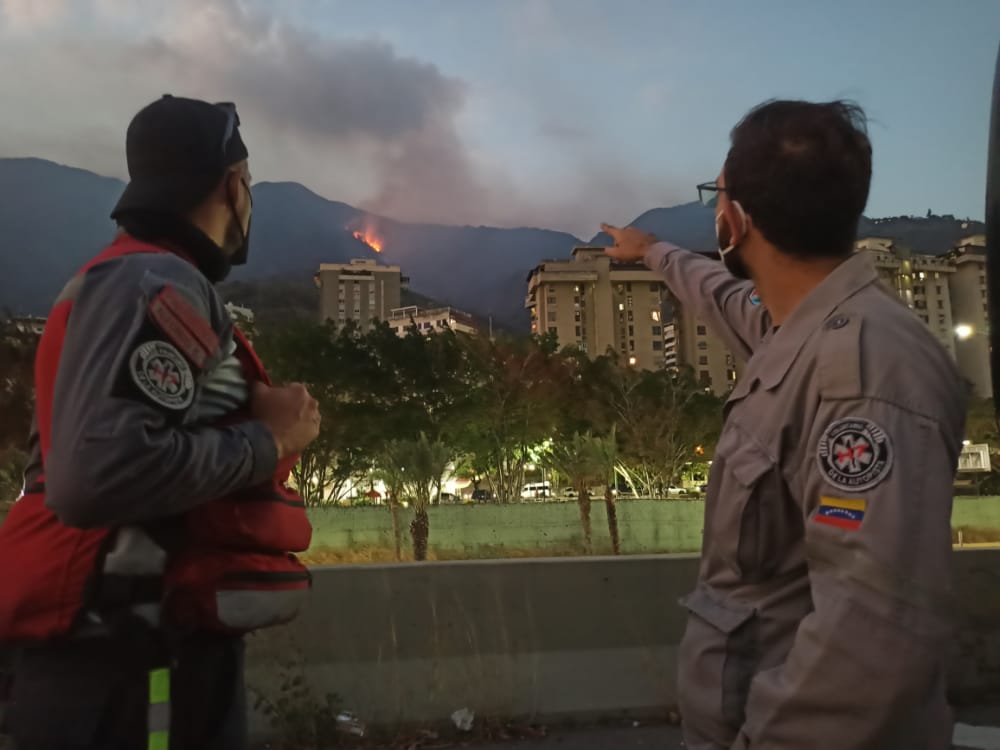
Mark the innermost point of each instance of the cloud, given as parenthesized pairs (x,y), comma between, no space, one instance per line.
(23,15)
(351,118)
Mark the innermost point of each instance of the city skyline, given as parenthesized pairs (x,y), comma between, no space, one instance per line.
(508,113)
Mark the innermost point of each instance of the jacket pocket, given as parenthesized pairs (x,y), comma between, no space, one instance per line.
(722,644)
(768,520)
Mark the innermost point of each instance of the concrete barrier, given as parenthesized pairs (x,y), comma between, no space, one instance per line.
(545,639)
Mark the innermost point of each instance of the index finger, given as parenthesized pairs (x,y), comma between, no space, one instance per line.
(611,229)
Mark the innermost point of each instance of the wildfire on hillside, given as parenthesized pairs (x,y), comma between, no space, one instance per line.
(369,235)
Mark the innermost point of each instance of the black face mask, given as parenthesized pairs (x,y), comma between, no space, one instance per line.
(239,256)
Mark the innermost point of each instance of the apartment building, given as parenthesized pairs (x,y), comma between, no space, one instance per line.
(598,307)
(363,291)
(948,293)
(970,312)
(430,321)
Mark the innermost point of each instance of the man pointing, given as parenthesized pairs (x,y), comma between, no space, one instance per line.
(820,618)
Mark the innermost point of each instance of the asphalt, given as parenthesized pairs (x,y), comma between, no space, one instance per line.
(632,738)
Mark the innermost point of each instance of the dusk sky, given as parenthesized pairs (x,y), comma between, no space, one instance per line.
(555,113)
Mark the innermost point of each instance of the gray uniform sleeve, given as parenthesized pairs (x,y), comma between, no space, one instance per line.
(707,289)
(878,493)
(124,445)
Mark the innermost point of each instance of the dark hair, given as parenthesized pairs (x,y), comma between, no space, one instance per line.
(802,171)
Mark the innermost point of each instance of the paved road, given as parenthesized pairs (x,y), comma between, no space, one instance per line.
(641,738)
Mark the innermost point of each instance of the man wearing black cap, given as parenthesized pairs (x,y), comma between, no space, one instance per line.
(156,524)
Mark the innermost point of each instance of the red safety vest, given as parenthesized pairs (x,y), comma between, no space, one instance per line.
(233,572)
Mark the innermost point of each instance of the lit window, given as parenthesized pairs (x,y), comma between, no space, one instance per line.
(655,316)
(621,305)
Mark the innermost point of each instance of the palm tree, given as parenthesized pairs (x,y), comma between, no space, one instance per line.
(574,458)
(423,462)
(390,468)
(604,454)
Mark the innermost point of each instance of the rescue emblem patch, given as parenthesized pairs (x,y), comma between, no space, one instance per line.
(162,373)
(854,454)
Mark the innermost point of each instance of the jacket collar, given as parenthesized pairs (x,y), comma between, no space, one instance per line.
(782,344)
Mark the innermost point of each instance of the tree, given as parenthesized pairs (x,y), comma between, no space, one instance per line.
(582,460)
(421,462)
(518,389)
(390,468)
(663,419)
(604,452)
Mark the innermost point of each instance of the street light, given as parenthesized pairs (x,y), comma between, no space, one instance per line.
(964,331)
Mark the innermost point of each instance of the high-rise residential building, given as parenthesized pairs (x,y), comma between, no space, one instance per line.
(362,291)
(948,293)
(428,321)
(970,312)
(598,307)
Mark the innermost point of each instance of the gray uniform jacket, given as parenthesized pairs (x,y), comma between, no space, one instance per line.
(130,442)
(820,618)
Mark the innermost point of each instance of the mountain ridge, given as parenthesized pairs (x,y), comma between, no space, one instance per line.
(54,217)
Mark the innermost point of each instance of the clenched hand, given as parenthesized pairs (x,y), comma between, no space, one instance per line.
(290,413)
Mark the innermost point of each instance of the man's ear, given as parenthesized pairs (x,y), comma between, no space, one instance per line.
(738,220)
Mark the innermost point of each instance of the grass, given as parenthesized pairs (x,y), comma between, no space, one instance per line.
(975,535)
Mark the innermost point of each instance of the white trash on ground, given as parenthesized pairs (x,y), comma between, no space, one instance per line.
(463,719)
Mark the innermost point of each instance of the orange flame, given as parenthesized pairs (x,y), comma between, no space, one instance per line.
(369,238)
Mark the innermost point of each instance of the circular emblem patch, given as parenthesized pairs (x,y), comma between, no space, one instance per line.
(162,373)
(754,297)
(854,454)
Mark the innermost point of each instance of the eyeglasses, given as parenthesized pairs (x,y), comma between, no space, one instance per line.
(708,193)
(232,122)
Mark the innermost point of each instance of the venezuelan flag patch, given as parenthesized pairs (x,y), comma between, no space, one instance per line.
(841,513)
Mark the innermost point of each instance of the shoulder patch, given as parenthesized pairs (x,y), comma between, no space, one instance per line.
(161,373)
(854,454)
(753,297)
(186,328)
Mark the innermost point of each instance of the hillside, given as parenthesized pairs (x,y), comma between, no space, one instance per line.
(53,218)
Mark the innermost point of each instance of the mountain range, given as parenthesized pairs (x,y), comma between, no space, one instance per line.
(53,218)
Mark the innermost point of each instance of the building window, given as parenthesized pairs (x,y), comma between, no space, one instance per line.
(657,346)
(941,320)
(631,345)
(920,304)
(550,300)
(654,286)
(552,316)
(919,289)
(657,330)
(578,334)
(982,279)
(703,345)
(655,316)
(621,306)
(576,316)
(702,360)
(700,330)
(940,304)
(631,331)
(628,286)
(630,316)
(705,378)
(939,289)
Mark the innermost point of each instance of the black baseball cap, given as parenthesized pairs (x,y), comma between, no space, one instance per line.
(177,151)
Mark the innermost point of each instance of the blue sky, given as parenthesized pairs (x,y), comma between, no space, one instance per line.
(560,113)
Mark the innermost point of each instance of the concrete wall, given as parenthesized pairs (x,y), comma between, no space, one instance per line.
(544,639)
(645,526)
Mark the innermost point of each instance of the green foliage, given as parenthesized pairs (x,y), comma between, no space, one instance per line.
(298,717)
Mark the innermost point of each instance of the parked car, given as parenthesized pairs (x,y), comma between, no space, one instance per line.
(482,496)
(536,491)
(569,493)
